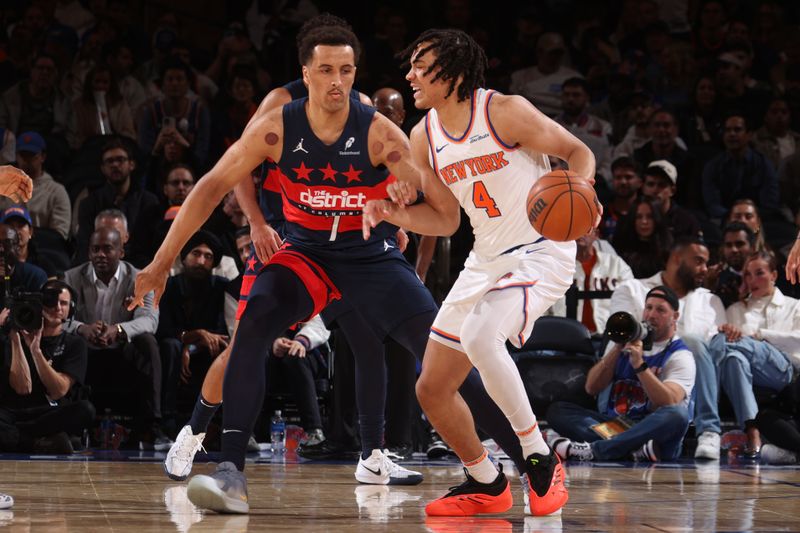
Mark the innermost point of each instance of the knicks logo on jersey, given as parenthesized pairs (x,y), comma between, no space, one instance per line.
(474,166)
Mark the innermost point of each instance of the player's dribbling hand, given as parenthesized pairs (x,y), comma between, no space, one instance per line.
(793,262)
(374,212)
(402,193)
(266,241)
(15,184)
(152,278)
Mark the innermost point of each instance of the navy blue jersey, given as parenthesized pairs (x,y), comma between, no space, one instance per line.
(325,187)
(269,199)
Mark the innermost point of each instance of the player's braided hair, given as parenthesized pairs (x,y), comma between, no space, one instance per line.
(457,55)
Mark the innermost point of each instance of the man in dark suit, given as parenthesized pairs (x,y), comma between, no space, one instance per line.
(122,343)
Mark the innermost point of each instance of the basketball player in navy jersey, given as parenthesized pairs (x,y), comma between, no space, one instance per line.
(331,153)
(267,232)
(484,150)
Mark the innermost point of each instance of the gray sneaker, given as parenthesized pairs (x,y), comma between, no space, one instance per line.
(774,455)
(224,491)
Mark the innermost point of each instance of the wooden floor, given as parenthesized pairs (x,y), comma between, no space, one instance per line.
(88,495)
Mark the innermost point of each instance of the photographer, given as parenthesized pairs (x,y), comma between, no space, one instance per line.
(15,273)
(650,387)
(44,368)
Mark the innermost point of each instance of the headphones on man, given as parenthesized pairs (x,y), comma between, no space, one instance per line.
(59,285)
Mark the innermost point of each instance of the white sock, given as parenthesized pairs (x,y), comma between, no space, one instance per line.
(532,441)
(482,468)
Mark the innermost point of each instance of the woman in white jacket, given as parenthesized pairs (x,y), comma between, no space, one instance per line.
(762,342)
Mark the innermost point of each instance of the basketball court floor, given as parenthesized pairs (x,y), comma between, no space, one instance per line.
(128,492)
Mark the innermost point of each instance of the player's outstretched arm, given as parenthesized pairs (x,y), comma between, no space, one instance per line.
(439,213)
(517,121)
(260,140)
(15,184)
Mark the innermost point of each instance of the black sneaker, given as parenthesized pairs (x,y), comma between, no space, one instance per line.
(399,453)
(58,443)
(326,450)
(437,449)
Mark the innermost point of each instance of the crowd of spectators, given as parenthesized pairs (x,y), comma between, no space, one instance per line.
(692,110)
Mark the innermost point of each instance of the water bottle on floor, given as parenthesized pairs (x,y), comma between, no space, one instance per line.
(277,432)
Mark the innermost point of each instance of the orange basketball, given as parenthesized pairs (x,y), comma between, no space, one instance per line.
(562,206)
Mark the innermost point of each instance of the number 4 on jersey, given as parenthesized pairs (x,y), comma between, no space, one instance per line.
(482,200)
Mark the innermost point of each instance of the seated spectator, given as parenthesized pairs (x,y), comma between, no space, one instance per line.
(121,191)
(180,114)
(41,388)
(640,110)
(123,350)
(780,425)
(746,212)
(593,131)
(244,247)
(119,57)
(626,181)
(701,121)
(665,144)
(762,343)
(177,186)
(595,270)
(701,314)
(192,330)
(36,104)
(775,139)
(49,205)
(789,182)
(115,219)
(725,278)
(8,146)
(643,239)
(649,387)
(100,109)
(541,84)
(297,357)
(233,112)
(660,179)
(17,274)
(50,259)
(738,173)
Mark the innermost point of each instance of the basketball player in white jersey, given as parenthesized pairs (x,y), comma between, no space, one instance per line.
(488,149)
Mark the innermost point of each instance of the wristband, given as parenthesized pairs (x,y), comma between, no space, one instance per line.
(641,368)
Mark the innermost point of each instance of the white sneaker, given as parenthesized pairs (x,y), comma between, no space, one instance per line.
(378,469)
(6,501)
(707,446)
(178,463)
(773,455)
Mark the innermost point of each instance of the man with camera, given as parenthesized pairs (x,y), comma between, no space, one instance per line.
(651,376)
(701,314)
(43,372)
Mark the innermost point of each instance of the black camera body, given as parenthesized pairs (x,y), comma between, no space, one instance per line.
(25,308)
(623,328)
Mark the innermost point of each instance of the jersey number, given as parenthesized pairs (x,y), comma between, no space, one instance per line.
(482,200)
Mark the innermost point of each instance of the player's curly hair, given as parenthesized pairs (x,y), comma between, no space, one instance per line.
(327,35)
(457,54)
(321,20)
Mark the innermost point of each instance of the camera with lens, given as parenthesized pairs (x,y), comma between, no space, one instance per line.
(623,328)
(25,308)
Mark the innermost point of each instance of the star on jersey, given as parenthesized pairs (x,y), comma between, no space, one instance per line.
(352,174)
(328,173)
(299,147)
(251,263)
(303,172)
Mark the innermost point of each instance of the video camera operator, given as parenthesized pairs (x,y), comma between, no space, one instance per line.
(650,372)
(14,273)
(43,370)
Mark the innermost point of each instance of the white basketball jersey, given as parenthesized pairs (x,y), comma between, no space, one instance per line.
(490,179)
